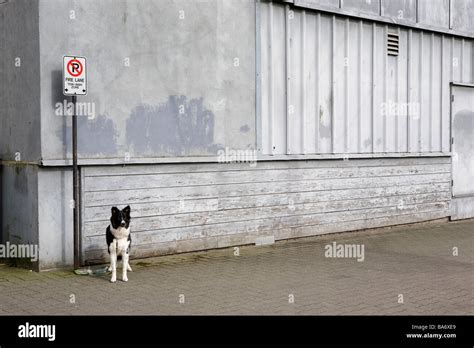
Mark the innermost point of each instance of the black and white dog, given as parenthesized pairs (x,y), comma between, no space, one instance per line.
(119,241)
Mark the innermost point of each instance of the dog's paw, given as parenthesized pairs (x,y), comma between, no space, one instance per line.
(125,279)
(109,269)
(113,279)
(129,268)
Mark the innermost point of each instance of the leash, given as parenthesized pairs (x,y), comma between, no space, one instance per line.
(93,272)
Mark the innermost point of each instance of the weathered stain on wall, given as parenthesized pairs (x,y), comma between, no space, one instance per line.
(21,180)
(95,136)
(245,128)
(177,126)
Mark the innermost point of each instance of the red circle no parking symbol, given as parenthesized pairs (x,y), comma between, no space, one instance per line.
(74,67)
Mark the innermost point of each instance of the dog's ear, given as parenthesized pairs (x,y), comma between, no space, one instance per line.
(126,210)
(114,210)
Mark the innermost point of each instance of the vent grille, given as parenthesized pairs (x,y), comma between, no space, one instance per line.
(392,44)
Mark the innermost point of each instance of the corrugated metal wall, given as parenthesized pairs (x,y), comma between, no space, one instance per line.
(184,207)
(437,14)
(328,85)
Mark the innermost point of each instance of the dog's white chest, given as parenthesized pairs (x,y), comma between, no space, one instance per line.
(121,236)
(120,232)
(122,245)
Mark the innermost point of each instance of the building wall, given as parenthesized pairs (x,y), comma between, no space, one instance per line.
(19,123)
(442,15)
(183,207)
(462,14)
(166,88)
(36,208)
(329,86)
(434,13)
(19,205)
(20,81)
(167,78)
(399,9)
(55,218)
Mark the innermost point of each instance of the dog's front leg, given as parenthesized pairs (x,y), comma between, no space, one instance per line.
(125,266)
(113,260)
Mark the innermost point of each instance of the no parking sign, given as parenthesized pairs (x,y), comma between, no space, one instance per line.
(74,75)
(74,84)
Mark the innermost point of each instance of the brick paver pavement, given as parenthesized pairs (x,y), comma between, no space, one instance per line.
(414,261)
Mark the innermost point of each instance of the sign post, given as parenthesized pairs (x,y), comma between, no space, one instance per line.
(74,84)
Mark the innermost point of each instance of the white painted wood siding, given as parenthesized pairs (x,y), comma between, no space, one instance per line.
(183,207)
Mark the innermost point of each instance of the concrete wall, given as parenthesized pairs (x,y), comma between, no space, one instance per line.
(20,81)
(167,77)
(35,208)
(19,122)
(19,205)
(55,218)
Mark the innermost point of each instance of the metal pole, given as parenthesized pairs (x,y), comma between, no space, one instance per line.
(75,186)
